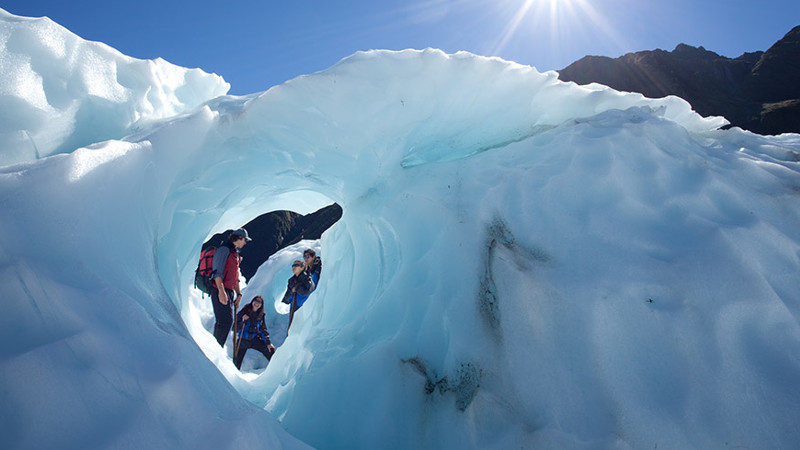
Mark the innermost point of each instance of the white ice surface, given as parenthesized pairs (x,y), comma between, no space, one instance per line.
(59,92)
(521,263)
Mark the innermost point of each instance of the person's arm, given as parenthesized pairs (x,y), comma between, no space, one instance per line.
(262,327)
(237,290)
(287,296)
(315,272)
(240,319)
(238,295)
(218,265)
(305,286)
(221,294)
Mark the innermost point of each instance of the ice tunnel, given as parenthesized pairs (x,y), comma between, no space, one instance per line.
(521,263)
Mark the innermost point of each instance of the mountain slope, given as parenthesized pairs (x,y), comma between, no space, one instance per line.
(757,91)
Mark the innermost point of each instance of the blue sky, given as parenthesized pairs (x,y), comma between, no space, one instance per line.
(255,44)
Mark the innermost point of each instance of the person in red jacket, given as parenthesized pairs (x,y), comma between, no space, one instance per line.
(226,282)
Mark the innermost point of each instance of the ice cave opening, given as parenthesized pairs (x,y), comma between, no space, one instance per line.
(278,238)
(189,229)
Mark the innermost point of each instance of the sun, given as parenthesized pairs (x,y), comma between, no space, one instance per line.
(550,10)
(558,17)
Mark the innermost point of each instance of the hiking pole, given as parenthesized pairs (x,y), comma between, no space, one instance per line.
(237,343)
(291,313)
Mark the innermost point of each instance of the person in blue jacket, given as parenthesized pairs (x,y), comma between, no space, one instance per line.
(252,332)
(298,288)
(313,265)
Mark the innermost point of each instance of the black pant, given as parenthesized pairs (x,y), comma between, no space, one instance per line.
(223,314)
(255,344)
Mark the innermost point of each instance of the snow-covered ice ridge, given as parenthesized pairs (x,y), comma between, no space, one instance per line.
(522,263)
(59,92)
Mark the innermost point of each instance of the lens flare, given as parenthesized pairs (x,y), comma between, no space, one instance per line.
(561,19)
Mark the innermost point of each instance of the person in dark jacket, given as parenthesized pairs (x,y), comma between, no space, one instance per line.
(252,332)
(313,265)
(298,288)
(226,283)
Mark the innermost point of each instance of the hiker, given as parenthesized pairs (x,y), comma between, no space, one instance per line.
(226,281)
(252,332)
(298,288)
(313,266)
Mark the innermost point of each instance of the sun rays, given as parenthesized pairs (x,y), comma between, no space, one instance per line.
(558,21)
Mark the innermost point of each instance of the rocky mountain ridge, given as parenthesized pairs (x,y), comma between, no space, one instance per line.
(758,91)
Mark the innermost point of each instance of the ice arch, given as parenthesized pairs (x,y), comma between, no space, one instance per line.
(502,232)
(404,329)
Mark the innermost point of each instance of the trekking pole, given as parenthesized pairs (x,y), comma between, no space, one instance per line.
(291,313)
(237,344)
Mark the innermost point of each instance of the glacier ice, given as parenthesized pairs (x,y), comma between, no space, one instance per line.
(59,92)
(521,262)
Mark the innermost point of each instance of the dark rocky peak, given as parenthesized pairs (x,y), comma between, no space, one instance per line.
(278,229)
(776,76)
(688,52)
(687,72)
(758,91)
(750,57)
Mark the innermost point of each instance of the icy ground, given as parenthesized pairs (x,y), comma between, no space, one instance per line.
(522,263)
